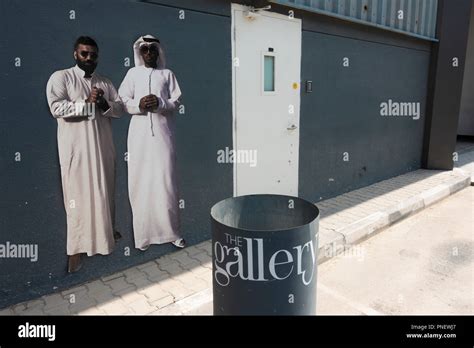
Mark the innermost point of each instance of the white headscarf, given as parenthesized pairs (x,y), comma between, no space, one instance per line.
(161,63)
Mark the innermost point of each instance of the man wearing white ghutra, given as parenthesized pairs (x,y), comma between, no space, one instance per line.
(151,93)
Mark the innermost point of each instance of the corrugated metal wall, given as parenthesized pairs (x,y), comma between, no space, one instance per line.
(419,16)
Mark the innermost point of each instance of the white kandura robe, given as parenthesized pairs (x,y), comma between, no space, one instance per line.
(87,159)
(152,177)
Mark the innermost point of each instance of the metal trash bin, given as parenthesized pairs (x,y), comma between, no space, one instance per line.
(264,255)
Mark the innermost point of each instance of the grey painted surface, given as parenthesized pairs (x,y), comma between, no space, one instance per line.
(419,16)
(466,115)
(445,85)
(342,114)
(217,7)
(41,34)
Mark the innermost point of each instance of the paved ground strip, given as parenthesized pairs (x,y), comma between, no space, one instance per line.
(183,279)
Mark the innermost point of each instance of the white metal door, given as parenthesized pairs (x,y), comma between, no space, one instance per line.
(266,94)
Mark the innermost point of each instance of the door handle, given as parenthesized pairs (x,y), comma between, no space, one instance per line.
(293,127)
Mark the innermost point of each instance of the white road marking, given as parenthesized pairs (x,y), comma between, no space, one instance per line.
(360,307)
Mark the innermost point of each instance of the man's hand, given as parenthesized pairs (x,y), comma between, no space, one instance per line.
(153,102)
(100,91)
(149,102)
(101,102)
(95,94)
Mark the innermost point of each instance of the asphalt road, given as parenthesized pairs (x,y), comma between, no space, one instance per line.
(422,265)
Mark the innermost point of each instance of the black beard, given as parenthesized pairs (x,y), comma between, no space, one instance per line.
(88,68)
(151,64)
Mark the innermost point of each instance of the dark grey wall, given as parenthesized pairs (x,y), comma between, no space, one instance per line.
(41,34)
(466,113)
(342,114)
(446,83)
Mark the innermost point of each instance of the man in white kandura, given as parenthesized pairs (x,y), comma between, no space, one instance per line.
(151,93)
(84,102)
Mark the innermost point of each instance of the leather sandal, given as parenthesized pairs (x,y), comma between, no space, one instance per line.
(179,243)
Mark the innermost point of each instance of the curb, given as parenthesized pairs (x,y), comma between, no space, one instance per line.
(346,237)
(190,305)
(374,223)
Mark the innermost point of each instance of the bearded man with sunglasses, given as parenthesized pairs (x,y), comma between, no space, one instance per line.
(84,102)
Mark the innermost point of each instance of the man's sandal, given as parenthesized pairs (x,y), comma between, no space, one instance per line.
(179,243)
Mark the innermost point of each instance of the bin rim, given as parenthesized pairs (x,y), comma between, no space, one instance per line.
(316,216)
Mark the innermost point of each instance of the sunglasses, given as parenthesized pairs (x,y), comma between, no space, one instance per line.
(146,49)
(85,54)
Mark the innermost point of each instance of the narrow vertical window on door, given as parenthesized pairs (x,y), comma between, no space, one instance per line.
(268,73)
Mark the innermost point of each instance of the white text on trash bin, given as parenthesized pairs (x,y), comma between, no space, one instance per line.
(229,262)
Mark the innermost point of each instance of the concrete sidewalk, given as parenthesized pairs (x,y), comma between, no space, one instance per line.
(421,265)
(180,283)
